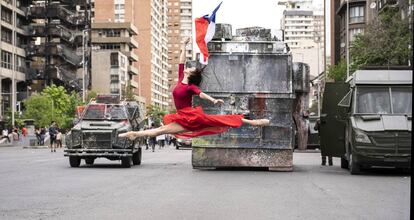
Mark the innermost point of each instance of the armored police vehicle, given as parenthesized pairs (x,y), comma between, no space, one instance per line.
(367,121)
(96,133)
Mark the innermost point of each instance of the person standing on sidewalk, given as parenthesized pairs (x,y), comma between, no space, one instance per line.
(59,138)
(5,134)
(316,128)
(52,133)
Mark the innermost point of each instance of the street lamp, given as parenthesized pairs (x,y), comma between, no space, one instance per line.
(84,34)
(318,84)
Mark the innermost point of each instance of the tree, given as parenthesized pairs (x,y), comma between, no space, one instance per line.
(384,42)
(338,71)
(90,95)
(52,104)
(128,94)
(156,114)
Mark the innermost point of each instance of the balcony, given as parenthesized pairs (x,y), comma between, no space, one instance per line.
(113,40)
(114,91)
(133,70)
(70,36)
(55,11)
(114,78)
(131,56)
(133,84)
(54,49)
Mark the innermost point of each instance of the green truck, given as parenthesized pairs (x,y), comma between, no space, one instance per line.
(366,121)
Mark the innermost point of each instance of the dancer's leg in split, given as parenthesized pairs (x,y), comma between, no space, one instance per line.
(172,128)
(256,122)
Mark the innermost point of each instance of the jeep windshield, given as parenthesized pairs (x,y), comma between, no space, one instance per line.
(105,112)
(384,100)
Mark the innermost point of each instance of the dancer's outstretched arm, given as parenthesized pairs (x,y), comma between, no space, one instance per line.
(211,99)
(183,50)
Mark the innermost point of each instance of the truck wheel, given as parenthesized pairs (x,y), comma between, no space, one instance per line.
(136,157)
(344,163)
(74,161)
(126,162)
(354,167)
(89,161)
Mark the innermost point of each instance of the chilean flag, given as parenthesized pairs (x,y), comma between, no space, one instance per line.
(205,28)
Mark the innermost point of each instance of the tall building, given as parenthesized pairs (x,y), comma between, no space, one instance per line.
(153,53)
(361,12)
(112,55)
(57,47)
(13,87)
(303,32)
(179,27)
(150,18)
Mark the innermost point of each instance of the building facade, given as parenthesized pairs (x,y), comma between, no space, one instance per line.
(113,58)
(150,18)
(13,86)
(303,32)
(361,12)
(179,27)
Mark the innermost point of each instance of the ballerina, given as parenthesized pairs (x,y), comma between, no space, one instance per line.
(192,121)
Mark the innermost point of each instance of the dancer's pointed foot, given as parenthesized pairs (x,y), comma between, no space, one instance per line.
(130,135)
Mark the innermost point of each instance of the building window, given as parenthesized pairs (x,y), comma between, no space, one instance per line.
(6,15)
(353,32)
(20,41)
(119,17)
(119,6)
(356,14)
(112,33)
(20,64)
(6,60)
(114,60)
(6,35)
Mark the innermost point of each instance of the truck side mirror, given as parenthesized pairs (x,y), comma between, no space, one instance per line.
(346,100)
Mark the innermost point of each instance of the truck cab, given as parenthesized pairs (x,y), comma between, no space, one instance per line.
(96,133)
(371,125)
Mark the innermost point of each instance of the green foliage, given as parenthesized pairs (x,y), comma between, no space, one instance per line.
(18,119)
(52,104)
(338,71)
(156,114)
(384,42)
(91,95)
(128,94)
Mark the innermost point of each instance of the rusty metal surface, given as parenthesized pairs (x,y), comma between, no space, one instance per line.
(301,77)
(232,157)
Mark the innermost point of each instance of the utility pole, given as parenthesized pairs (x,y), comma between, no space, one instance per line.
(347,39)
(83,66)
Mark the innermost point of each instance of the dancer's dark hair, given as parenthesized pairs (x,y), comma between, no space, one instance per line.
(196,77)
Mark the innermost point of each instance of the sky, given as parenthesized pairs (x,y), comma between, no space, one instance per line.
(245,13)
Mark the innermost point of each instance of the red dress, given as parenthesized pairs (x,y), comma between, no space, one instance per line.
(194,119)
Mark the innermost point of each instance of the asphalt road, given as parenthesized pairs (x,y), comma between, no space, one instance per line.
(37,184)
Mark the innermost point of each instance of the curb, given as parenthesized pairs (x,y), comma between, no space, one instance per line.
(35,147)
(307,151)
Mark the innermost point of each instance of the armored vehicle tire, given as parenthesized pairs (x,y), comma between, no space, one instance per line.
(344,163)
(136,157)
(354,167)
(74,161)
(176,147)
(126,162)
(89,161)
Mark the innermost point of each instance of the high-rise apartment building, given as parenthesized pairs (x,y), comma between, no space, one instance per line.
(361,12)
(179,27)
(112,53)
(13,87)
(303,32)
(150,18)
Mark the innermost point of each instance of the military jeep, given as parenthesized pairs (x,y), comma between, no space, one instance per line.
(96,132)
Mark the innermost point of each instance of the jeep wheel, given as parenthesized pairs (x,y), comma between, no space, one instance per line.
(136,157)
(89,161)
(354,167)
(344,163)
(126,162)
(74,161)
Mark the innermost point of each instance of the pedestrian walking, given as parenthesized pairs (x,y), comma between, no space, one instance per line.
(42,136)
(24,131)
(317,128)
(52,134)
(59,138)
(5,134)
(161,141)
(38,136)
(192,121)
(152,140)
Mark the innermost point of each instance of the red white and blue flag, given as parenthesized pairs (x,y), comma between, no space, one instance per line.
(205,28)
